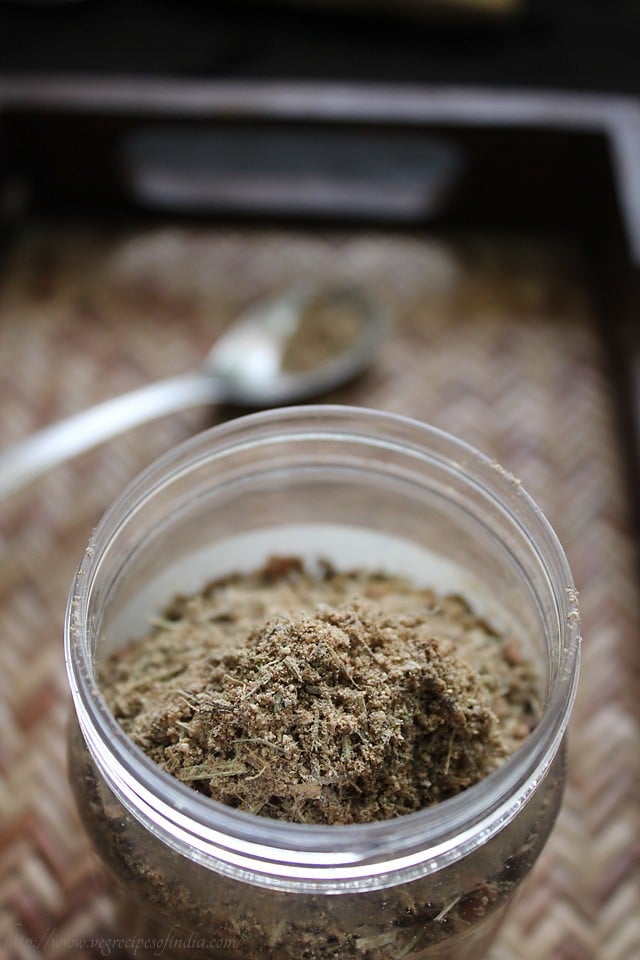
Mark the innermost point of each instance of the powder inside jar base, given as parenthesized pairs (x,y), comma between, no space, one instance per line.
(332,698)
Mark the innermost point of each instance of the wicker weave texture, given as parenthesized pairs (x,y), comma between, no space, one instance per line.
(492,341)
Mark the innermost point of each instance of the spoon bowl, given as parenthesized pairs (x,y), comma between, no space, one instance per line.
(247,359)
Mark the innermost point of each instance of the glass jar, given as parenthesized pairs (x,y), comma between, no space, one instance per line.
(361,488)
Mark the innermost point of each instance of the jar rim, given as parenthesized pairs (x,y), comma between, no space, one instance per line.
(293,855)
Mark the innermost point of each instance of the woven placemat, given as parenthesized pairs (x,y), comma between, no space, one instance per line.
(492,341)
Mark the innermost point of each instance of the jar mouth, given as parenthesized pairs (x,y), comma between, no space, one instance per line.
(299,856)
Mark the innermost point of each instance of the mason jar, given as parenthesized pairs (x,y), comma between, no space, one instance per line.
(362,489)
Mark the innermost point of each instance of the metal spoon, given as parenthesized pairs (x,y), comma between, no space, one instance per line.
(243,367)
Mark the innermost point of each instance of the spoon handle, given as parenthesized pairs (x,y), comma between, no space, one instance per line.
(29,458)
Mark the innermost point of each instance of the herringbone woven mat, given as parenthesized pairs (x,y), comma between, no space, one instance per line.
(493,342)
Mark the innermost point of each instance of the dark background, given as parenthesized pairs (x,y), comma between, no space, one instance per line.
(578,45)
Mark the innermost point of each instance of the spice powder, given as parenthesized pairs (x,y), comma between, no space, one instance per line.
(329,697)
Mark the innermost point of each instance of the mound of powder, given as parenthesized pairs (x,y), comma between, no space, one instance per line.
(340,698)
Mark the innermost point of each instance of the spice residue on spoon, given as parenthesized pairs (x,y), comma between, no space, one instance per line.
(331,698)
(327,327)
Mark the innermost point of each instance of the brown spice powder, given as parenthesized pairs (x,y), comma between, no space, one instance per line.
(323,698)
(327,328)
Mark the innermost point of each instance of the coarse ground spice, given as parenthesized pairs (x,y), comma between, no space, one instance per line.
(325,696)
(327,328)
